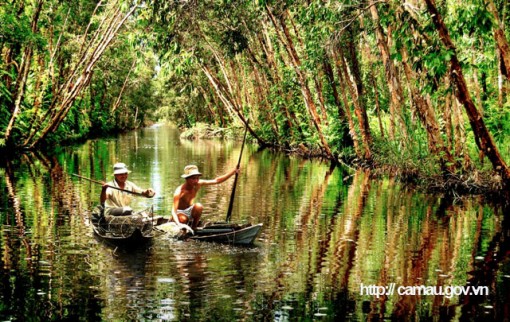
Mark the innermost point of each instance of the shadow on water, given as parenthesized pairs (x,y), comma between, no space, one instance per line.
(326,233)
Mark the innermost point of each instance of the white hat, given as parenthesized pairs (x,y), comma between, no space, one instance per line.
(120,168)
(190,171)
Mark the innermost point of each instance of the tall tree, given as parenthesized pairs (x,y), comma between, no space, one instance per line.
(483,138)
(499,36)
(284,35)
(21,80)
(392,76)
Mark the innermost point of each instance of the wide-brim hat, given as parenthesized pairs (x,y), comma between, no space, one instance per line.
(120,168)
(190,171)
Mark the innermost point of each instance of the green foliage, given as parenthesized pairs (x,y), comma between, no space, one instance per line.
(14,29)
(339,143)
(472,18)
(155,70)
(498,121)
(409,160)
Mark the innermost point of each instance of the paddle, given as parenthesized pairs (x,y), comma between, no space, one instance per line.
(113,187)
(231,204)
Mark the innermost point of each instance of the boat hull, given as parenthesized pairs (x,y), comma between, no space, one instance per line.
(219,232)
(124,231)
(243,236)
(133,240)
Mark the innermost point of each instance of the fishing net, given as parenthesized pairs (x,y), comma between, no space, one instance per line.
(124,226)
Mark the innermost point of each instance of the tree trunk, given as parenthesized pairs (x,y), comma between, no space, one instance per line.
(222,94)
(8,63)
(447,116)
(428,119)
(502,85)
(483,138)
(21,80)
(328,70)
(360,112)
(262,101)
(371,72)
(352,128)
(290,118)
(119,97)
(373,80)
(208,104)
(395,88)
(476,85)
(38,93)
(81,73)
(499,36)
(459,137)
(342,118)
(228,101)
(296,63)
(322,105)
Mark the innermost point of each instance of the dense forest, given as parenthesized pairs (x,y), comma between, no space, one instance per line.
(419,87)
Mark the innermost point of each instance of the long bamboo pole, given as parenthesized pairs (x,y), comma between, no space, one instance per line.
(231,204)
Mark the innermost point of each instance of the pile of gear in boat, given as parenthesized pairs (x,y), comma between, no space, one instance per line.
(123,227)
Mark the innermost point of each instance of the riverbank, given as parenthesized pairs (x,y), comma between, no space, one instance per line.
(12,150)
(419,175)
(475,182)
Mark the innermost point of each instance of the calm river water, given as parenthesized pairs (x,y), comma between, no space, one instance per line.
(332,243)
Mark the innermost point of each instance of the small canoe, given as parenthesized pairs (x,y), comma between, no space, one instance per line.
(218,232)
(228,233)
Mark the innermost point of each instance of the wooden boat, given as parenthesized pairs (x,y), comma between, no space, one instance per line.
(228,233)
(133,230)
(142,227)
(217,232)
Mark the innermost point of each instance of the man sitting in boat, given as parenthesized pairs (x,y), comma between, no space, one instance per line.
(184,211)
(116,202)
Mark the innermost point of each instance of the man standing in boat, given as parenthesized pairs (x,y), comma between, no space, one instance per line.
(115,201)
(184,211)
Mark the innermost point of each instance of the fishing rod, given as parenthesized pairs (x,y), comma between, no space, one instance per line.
(109,186)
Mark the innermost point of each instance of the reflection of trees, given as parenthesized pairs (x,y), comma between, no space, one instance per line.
(122,282)
(10,260)
(191,268)
(428,241)
(63,192)
(425,241)
(374,235)
(347,231)
(40,248)
(296,272)
(322,237)
(496,261)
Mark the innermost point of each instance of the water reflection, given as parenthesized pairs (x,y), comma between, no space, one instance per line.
(123,282)
(326,232)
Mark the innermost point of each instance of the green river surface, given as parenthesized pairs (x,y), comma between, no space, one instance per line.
(335,245)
